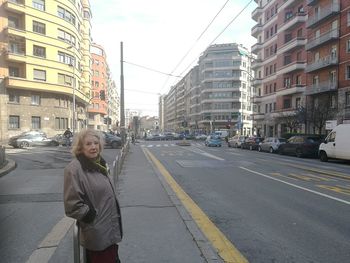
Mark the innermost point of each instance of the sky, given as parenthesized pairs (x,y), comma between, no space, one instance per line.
(157,34)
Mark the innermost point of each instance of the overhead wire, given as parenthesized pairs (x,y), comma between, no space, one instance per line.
(154,70)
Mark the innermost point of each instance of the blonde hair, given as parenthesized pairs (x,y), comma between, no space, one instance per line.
(78,140)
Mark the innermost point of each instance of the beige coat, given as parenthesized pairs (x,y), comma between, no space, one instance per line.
(87,190)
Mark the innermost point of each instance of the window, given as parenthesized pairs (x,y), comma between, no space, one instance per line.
(39,74)
(36,123)
(66,15)
(13,22)
(287,82)
(332,102)
(65,58)
(287,60)
(13,98)
(348,18)
(13,71)
(348,46)
(64,79)
(286,104)
(35,100)
(39,27)
(39,51)
(63,35)
(347,76)
(297,103)
(347,99)
(61,123)
(298,80)
(39,4)
(14,122)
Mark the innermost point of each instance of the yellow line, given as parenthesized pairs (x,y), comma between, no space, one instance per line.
(224,247)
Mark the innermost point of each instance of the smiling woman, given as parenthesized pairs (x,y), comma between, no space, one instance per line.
(89,197)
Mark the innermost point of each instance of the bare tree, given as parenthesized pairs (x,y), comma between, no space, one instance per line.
(291,120)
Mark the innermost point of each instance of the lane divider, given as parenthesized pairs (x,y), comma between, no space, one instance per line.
(226,250)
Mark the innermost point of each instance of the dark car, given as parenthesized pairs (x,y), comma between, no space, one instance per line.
(301,145)
(112,140)
(32,138)
(251,143)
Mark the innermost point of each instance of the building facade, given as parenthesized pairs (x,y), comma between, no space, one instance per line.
(215,94)
(44,65)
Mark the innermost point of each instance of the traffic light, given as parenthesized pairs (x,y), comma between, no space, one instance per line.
(102,95)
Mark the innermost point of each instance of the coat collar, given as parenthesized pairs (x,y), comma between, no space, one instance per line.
(89,165)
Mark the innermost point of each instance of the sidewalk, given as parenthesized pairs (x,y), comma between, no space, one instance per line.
(157,228)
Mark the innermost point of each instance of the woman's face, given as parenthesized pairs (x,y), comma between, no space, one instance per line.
(91,147)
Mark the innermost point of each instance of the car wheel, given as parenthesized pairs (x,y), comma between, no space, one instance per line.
(259,149)
(24,145)
(323,157)
(114,145)
(299,153)
(271,150)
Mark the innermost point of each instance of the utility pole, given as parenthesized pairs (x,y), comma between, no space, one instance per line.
(122,116)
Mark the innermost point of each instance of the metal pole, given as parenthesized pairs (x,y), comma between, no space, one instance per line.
(122,116)
(73,128)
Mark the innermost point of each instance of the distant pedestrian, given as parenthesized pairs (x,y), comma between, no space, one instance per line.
(90,198)
(68,135)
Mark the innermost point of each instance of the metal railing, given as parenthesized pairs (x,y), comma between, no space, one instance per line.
(79,252)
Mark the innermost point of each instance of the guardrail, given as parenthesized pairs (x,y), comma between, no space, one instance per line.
(79,252)
(2,156)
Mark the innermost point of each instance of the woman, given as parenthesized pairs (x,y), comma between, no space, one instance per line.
(89,197)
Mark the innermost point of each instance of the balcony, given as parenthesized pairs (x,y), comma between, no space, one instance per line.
(294,66)
(288,4)
(292,44)
(256,82)
(256,30)
(322,63)
(16,6)
(325,86)
(257,63)
(293,21)
(327,12)
(324,38)
(257,12)
(258,116)
(311,2)
(15,31)
(292,90)
(256,47)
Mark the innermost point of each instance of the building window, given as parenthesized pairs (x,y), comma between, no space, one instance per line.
(297,103)
(39,27)
(14,122)
(35,100)
(347,99)
(13,22)
(65,58)
(39,51)
(66,15)
(64,79)
(347,72)
(39,74)
(36,123)
(39,4)
(13,98)
(61,123)
(14,72)
(287,82)
(286,104)
(348,46)
(63,35)
(348,18)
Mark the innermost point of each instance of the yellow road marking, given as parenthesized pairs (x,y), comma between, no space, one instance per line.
(337,188)
(320,177)
(281,175)
(227,251)
(304,177)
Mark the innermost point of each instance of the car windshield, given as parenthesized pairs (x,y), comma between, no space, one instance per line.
(313,139)
(282,140)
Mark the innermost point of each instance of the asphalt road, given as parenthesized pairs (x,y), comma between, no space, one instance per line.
(31,199)
(272,208)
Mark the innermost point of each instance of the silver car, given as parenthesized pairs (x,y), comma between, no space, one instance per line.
(271,144)
(32,138)
(236,141)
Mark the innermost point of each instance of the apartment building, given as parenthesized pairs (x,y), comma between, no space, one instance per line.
(280,65)
(98,111)
(328,62)
(215,94)
(44,64)
(113,103)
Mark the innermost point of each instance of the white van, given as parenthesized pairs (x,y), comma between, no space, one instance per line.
(336,144)
(222,134)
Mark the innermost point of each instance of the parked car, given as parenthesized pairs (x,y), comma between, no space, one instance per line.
(32,138)
(169,136)
(213,140)
(62,140)
(336,145)
(271,144)
(301,145)
(251,143)
(112,140)
(201,137)
(236,141)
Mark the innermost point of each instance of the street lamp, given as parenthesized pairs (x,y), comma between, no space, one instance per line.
(72,64)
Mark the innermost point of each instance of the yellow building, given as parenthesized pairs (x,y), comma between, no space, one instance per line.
(44,65)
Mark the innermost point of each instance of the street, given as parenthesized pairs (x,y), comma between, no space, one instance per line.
(272,208)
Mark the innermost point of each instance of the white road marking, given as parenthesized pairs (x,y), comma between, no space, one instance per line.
(297,186)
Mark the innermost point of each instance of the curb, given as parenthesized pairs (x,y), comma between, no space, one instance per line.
(10,165)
